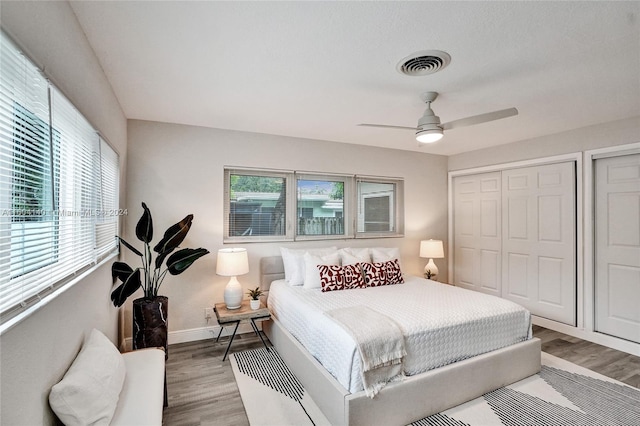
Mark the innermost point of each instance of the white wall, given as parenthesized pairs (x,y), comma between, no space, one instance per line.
(586,138)
(36,352)
(178,170)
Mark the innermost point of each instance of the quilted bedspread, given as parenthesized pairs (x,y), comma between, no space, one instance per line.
(442,324)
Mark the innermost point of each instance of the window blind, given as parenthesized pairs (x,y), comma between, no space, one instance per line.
(58,187)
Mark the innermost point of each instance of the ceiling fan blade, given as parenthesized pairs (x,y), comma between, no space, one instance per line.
(386,126)
(482,118)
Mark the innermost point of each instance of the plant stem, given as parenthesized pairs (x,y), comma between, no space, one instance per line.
(161,277)
(147,269)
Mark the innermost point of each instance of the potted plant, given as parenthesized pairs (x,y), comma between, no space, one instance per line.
(150,311)
(254,295)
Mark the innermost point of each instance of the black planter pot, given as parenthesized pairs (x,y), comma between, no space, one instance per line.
(150,323)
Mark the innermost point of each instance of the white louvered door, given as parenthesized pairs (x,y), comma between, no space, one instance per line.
(617,246)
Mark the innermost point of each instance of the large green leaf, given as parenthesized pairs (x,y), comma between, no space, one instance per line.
(130,247)
(161,257)
(121,271)
(182,259)
(127,288)
(144,228)
(174,235)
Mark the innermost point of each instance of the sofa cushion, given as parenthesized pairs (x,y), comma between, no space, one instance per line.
(89,391)
(142,394)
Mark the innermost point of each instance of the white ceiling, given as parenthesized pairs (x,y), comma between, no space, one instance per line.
(317,69)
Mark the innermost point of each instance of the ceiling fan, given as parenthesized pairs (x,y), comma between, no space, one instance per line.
(430,129)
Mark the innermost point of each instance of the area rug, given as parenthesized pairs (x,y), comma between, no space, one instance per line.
(561,394)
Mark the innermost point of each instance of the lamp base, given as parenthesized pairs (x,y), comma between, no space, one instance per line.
(233,294)
(431,270)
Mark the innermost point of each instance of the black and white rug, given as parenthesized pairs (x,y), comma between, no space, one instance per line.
(561,394)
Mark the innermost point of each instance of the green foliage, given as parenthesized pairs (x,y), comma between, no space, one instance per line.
(338,191)
(151,274)
(32,184)
(255,293)
(244,183)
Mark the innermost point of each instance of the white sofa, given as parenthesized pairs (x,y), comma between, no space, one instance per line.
(142,397)
(103,386)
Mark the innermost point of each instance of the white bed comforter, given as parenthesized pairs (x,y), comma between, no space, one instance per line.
(442,324)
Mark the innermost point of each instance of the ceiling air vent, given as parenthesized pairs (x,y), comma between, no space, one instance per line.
(423,62)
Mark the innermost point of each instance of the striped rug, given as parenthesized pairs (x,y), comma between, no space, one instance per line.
(561,394)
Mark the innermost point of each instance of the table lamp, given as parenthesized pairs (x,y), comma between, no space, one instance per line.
(431,249)
(231,263)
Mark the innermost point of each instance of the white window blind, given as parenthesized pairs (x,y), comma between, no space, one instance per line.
(58,187)
(107,203)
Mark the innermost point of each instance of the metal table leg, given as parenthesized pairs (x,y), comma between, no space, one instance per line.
(255,328)
(231,340)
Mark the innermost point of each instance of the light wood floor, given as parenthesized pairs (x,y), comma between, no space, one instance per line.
(202,389)
(601,359)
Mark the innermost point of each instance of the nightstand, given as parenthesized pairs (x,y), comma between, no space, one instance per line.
(235,316)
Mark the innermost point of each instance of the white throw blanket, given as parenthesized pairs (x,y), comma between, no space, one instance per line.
(379,341)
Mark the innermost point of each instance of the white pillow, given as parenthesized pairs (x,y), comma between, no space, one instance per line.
(88,393)
(352,256)
(293,260)
(384,254)
(312,273)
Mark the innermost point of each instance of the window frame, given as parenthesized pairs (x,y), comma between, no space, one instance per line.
(396,213)
(351,205)
(286,175)
(347,221)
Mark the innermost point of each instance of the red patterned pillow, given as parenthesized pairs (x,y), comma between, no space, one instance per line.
(382,273)
(334,277)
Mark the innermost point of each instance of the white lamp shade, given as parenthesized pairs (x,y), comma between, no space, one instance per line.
(431,249)
(232,262)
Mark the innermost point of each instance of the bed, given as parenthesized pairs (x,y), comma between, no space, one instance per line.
(435,381)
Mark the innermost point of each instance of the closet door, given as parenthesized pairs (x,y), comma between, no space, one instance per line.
(539,234)
(617,246)
(476,216)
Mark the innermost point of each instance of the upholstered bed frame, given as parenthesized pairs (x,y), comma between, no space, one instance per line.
(402,402)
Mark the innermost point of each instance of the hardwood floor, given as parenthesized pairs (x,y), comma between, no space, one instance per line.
(601,359)
(202,389)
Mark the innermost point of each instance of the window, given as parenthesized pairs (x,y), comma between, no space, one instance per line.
(33,189)
(320,206)
(58,187)
(378,206)
(259,206)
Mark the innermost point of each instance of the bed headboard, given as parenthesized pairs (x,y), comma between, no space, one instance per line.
(271,269)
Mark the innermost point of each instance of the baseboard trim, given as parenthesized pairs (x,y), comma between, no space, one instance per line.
(195,334)
(591,336)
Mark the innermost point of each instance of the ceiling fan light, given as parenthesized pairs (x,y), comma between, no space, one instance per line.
(429,135)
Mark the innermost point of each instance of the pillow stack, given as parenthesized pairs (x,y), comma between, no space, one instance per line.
(294,266)
(341,277)
(331,269)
